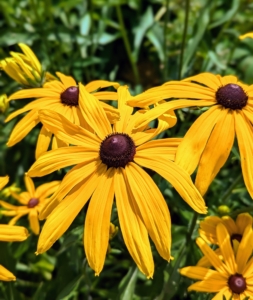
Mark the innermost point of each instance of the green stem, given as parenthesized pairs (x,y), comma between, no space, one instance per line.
(240,211)
(127,44)
(187,9)
(165,46)
(230,189)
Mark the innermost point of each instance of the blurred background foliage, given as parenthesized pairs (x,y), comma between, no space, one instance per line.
(141,44)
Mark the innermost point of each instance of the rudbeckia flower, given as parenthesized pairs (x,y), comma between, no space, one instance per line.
(232,276)
(25,68)
(32,201)
(109,163)
(208,142)
(10,234)
(235,229)
(61,96)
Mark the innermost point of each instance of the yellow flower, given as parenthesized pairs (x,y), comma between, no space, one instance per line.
(10,234)
(232,276)
(235,229)
(25,68)
(244,36)
(208,142)
(61,96)
(109,163)
(33,200)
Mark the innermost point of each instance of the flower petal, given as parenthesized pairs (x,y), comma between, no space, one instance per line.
(152,207)
(43,142)
(6,275)
(222,140)
(242,221)
(3,181)
(67,81)
(207,79)
(23,127)
(177,177)
(201,273)
(10,233)
(29,185)
(60,158)
(34,221)
(133,230)
(209,286)
(100,84)
(194,142)
(47,189)
(63,215)
(97,222)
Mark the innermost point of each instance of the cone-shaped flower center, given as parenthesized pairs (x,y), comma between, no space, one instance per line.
(70,96)
(117,150)
(236,236)
(33,202)
(231,96)
(237,283)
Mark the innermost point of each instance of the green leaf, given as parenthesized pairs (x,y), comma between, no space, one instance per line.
(127,285)
(72,286)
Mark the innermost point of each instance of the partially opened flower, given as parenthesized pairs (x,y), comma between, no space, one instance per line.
(63,97)
(25,68)
(32,201)
(232,275)
(109,163)
(10,233)
(208,142)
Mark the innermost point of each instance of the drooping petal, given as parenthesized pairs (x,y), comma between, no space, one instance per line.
(3,181)
(34,221)
(194,142)
(43,142)
(152,207)
(63,215)
(60,158)
(222,140)
(29,185)
(97,222)
(10,233)
(67,131)
(244,134)
(23,127)
(93,112)
(6,275)
(226,247)
(177,177)
(133,230)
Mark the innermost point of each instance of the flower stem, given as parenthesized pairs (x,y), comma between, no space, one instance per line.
(187,9)
(127,44)
(165,46)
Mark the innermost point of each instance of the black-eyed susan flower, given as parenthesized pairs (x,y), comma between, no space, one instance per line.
(232,275)
(59,95)
(208,142)
(109,163)
(10,233)
(25,68)
(32,201)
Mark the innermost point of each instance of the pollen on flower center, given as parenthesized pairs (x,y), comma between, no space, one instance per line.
(70,96)
(33,202)
(237,283)
(117,150)
(231,96)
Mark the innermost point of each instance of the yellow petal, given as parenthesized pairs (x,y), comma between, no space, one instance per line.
(177,177)
(6,275)
(194,142)
(207,79)
(97,222)
(230,225)
(100,84)
(67,81)
(222,140)
(43,141)
(67,131)
(23,127)
(208,229)
(111,112)
(244,36)
(165,147)
(229,79)
(3,181)
(61,158)
(133,230)
(244,135)
(63,215)
(34,221)
(34,93)
(212,257)
(201,273)
(242,221)
(10,233)
(226,248)
(47,189)
(93,113)
(204,262)
(106,95)
(29,185)
(209,286)
(31,56)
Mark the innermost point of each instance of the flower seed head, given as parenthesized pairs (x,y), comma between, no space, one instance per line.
(70,96)
(231,96)
(237,283)
(117,150)
(33,202)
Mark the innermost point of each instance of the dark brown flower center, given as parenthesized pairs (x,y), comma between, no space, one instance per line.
(33,202)
(70,96)
(117,150)
(236,236)
(231,96)
(237,283)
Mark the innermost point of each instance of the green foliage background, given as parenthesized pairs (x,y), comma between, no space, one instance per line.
(141,44)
